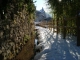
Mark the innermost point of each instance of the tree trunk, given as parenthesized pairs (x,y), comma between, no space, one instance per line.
(64,28)
(57,24)
(78,29)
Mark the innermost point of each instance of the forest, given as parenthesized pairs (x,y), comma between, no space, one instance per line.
(67,16)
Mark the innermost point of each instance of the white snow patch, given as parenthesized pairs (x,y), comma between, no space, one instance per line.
(56,48)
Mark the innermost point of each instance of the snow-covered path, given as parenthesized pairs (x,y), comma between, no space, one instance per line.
(56,48)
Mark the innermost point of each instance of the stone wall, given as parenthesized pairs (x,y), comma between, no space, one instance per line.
(16,28)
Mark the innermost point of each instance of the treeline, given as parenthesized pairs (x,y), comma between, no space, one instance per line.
(67,16)
(68,8)
(16,26)
(65,12)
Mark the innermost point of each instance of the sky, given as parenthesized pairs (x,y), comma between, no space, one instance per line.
(41,3)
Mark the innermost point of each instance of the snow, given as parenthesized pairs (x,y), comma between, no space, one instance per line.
(36,42)
(56,48)
(37,22)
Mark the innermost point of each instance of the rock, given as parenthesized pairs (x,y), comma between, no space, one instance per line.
(0,51)
(1,57)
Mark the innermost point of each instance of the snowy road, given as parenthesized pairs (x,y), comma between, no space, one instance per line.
(56,48)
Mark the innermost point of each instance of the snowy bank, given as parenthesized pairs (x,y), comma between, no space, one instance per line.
(56,48)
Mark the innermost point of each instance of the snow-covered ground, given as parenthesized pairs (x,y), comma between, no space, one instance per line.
(56,48)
